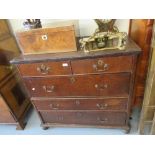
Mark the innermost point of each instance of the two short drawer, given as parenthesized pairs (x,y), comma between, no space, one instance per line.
(85,66)
(84,117)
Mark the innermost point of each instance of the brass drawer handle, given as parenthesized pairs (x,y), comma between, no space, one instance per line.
(43,69)
(100,66)
(101,86)
(44,37)
(102,106)
(102,120)
(49,89)
(54,107)
(77,103)
(60,118)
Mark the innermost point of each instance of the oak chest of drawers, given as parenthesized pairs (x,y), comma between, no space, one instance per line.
(78,89)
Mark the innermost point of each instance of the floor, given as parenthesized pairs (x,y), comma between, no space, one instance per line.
(33,128)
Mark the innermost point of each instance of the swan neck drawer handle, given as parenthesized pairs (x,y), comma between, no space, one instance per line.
(100,66)
(49,89)
(102,106)
(102,120)
(43,69)
(77,102)
(101,87)
(54,107)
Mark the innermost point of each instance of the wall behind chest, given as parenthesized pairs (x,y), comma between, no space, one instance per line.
(80,25)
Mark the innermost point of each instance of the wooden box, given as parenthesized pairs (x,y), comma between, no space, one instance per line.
(47,40)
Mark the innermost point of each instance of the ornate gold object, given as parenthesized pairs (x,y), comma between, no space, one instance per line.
(107,36)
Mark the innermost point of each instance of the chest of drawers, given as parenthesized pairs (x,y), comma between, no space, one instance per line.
(78,89)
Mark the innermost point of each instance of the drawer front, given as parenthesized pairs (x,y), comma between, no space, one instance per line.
(81,104)
(50,40)
(105,64)
(45,69)
(88,85)
(84,117)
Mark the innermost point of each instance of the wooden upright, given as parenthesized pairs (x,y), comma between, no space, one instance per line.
(148,110)
(141,32)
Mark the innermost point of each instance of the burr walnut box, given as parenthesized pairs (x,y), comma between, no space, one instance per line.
(47,40)
(78,89)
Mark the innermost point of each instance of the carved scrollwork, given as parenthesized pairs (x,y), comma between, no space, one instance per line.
(106,36)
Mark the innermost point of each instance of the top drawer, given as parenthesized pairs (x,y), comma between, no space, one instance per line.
(105,64)
(49,40)
(45,69)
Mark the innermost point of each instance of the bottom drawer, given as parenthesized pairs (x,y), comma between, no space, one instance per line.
(84,117)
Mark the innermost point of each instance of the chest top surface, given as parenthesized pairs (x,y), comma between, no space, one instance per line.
(131,48)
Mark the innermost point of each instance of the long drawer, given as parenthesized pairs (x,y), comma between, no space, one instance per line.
(86,85)
(84,117)
(81,104)
(45,68)
(103,64)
